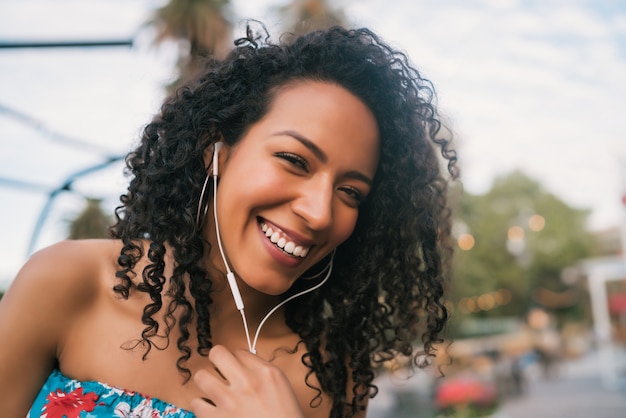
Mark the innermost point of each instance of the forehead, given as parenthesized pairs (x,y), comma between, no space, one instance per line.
(319,107)
(328,115)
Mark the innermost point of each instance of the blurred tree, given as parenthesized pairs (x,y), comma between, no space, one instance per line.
(516,238)
(301,16)
(201,28)
(92,222)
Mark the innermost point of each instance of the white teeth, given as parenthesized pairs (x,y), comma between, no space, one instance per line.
(281,242)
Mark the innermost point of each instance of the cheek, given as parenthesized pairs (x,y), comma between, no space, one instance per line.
(345,222)
(246,179)
(244,192)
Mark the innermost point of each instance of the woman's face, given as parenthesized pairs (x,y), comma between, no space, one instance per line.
(289,190)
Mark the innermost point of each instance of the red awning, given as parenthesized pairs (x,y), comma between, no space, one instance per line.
(617,303)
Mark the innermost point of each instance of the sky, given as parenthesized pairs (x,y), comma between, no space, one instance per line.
(534,85)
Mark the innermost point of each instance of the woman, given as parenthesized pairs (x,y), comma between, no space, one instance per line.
(282,233)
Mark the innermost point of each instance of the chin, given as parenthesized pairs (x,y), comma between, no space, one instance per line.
(271,289)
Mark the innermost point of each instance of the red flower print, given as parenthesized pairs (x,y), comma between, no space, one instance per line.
(69,405)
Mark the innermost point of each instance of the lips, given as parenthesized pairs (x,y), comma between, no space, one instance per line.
(283,241)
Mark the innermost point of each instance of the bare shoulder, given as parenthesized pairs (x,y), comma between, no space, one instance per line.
(56,283)
(69,270)
(55,286)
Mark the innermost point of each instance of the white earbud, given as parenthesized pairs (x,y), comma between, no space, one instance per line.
(229,274)
(216,150)
(232,282)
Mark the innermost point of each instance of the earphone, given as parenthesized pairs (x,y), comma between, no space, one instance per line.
(216,150)
(230,276)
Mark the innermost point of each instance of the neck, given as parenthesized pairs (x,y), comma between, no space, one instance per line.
(227,318)
(257,305)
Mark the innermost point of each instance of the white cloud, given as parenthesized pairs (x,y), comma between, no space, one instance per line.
(571,21)
(536,87)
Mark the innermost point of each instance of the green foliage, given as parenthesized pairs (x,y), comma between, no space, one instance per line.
(201,28)
(301,16)
(92,222)
(548,236)
(204,27)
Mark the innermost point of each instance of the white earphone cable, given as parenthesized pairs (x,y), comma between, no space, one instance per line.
(234,289)
(292,297)
(232,282)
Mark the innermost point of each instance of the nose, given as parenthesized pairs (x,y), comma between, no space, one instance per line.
(315,203)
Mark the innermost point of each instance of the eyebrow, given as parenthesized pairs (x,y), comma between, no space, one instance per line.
(320,155)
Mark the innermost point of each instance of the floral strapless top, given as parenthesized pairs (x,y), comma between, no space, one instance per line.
(62,397)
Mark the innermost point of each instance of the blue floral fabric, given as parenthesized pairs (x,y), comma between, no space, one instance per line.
(62,397)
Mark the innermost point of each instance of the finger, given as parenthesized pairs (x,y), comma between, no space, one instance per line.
(211,386)
(249,360)
(201,408)
(226,364)
(260,370)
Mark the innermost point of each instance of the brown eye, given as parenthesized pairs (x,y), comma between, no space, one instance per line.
(353,194)
(294,160)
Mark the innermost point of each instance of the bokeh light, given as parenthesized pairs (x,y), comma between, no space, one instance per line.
(536,223)
(516,233)
(466,242)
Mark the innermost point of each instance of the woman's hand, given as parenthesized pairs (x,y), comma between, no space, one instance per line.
(250,387)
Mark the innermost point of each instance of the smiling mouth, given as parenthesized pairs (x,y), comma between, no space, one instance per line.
(283,243)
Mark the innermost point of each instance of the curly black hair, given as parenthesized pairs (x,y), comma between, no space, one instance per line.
(385,296)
